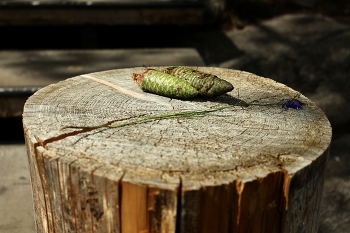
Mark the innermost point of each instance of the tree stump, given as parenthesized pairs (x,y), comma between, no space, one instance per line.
(242,169)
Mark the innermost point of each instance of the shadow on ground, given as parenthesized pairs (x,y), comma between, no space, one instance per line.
(309,53)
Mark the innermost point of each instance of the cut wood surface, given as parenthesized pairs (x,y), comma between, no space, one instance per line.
(241,169)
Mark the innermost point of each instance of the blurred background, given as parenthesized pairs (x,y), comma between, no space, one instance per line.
(304,44)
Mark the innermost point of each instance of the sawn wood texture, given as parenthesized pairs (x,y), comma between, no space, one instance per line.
(242,169)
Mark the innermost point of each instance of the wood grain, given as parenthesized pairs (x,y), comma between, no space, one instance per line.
(243,169)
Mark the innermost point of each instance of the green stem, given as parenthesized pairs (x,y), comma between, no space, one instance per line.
(184,114)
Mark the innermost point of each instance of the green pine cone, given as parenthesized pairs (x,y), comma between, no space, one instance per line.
(160,83)
(207,84)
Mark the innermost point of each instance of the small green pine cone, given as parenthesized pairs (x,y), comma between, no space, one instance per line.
(160,83)
(207,84)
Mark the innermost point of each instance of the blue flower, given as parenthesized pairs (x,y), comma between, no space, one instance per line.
(295,104)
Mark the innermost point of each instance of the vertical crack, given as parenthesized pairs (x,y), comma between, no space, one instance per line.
(178,208)
(120,196)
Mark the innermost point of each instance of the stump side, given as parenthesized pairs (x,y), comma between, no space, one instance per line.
(241,169)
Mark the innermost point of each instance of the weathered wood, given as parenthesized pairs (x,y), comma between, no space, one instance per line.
(22,72)
(34,68)
(242,169)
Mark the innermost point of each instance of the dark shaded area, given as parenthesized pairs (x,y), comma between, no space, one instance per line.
(208,41)
(89,37)
(241,13)
(24,92)
(88,4)
(335,205)
(12,130)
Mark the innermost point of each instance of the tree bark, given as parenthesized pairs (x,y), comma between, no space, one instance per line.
(241,169)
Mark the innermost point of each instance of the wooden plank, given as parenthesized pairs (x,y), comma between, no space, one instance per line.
(22,71)
(44,67)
